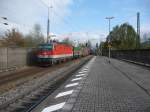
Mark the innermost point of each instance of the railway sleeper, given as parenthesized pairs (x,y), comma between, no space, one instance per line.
(15,108)
(27,101)
(28,104)
(32,97)
(19,110)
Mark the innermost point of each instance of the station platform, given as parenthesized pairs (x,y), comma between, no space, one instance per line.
(101,86)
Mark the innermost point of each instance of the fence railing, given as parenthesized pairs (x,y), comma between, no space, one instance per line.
(141,55)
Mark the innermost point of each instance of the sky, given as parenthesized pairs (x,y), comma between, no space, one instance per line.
(77,19)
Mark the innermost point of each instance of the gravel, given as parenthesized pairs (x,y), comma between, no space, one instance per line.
(32,86)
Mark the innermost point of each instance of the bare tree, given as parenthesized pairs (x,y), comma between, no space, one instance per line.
(13,38)
(68,41)
(35,37)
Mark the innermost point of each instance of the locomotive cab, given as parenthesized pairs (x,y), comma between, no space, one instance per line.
(44,53)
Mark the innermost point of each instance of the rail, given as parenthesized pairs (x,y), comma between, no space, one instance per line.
(139,56)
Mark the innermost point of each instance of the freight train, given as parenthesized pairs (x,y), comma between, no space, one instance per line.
(51,53)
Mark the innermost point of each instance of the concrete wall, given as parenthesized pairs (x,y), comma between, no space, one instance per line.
(11,58)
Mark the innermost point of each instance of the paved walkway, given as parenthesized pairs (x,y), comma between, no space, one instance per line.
(115,87)
(101,86)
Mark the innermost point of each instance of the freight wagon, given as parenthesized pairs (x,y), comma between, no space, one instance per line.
(76,52)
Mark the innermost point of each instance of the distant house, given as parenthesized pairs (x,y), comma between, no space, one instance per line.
(147,42)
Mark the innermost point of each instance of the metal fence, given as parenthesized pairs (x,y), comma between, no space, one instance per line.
(141,55)
(11,58)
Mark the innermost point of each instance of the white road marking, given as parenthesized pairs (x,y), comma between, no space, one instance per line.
(71,85)
(76,79)
(81,75)
(104,63)
(82,71)
(85,69)
(54,107)
(64,93)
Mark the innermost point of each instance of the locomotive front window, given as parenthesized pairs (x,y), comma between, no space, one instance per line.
(45,47)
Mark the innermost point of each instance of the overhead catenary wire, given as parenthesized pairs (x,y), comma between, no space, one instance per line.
(58,15)
(67,18)
(13,24)
(65,22)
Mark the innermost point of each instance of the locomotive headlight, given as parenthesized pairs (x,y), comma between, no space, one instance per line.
(42,56)
(44,53)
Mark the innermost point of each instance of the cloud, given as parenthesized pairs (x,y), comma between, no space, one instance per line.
(23,14)
(60,9)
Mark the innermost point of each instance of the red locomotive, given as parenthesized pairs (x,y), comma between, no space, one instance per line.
(54,52)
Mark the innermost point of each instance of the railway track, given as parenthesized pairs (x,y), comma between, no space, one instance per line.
(14,80)
(14,76)
(28,101)
(8,81)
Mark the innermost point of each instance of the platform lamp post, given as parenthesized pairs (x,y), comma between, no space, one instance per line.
(109,20)
(4,18)
(5,23)
(48,23)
